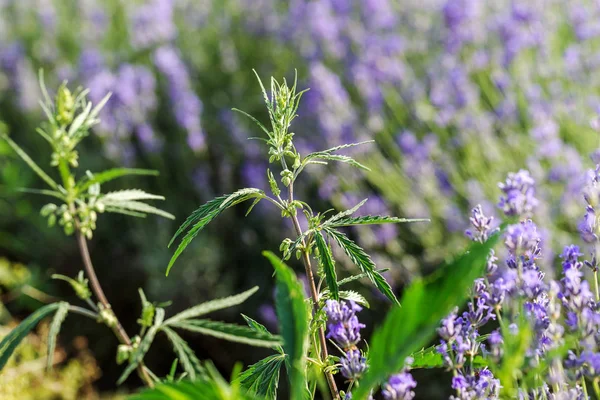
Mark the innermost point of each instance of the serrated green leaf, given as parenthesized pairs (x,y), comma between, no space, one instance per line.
(10,342)
(339,158)
(293,320)
(359,276)
(257,326)
(363,261)
(205,214)
(326,261)
(191,364)
(25,157)
(139,353)
(372,220)
(59,317)
(344,213)
(262,379)
(117,210)
(128,195)
(124,207)
(425,303)
(210,306)
(231,332)
(431,358)
(355,297)
(111,174)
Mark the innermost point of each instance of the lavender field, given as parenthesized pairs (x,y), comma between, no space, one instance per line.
(471,129)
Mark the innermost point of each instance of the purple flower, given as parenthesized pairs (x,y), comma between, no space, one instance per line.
(451,327)
(482,225)
(570,257)
(342,323)
(519,194)
(481,385)
(399,387)
(522,240)
(353,364)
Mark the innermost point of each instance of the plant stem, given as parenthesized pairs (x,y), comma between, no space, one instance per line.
(315,297)
(99,293)
(596,387)
(83,311)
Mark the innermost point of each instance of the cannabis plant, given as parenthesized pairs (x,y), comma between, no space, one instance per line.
(76,207)
(324,230)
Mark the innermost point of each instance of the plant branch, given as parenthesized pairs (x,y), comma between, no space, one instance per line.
(99,293)
(315,297)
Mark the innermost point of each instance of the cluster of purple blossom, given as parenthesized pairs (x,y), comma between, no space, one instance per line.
(343,327)
(517,294)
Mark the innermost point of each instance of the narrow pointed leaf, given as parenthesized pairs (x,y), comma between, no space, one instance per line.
(129,195)
(293,320)
(138,207)
(231,332)
(425,303)
(363,261)
(328,265)
(205,214)
(10,342)
(257,326)
(142,349)
(191,364)
(344,214)
(25,157)
(55,325)
(111,174)
(210,306)
(257,122)
(373,220)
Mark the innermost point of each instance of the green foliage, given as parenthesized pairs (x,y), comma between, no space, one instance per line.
(231,332)
(328,265)
(363,261)
(138,354)
(372,220)
(210,387)
(59,317)
(425,303)
(212,305)
(262,379)
(431,358)
(109,175)
(129,202)
(205,214)
(515,348)
(293,320)
(191,364)
(12,340)
(80,286)
(25,157)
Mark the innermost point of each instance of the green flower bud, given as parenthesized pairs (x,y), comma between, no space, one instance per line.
(65,105)
(123,353)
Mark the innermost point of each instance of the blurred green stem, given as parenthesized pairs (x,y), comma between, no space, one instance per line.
(68,183)
(315,297)
(99,293)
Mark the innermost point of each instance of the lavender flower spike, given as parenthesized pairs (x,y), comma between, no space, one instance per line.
(399,387)
(482,225)
(342,323)
(353,365)
(519,194)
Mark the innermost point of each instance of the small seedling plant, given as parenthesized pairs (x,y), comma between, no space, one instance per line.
(77,203)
